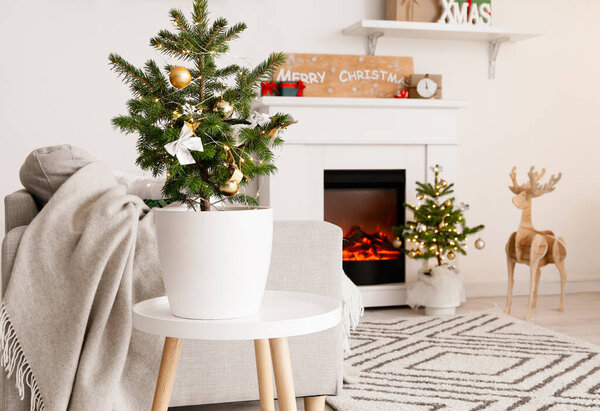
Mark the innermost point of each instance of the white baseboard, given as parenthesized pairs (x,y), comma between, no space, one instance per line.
(387,295)
(499,288)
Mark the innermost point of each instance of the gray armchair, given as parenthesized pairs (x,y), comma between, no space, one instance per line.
(306,257)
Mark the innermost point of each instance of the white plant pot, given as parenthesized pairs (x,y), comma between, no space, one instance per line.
(439,290)
(214,263)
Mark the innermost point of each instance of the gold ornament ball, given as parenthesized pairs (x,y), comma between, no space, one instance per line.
(180,77)
(448,203)
(224,108)
(397,243)
(231,186)
(412,254)
(479,244)
(443,183)
(451,255)
(420,196)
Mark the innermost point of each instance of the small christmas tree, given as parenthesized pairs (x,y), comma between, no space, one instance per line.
(195,125)
(438,229)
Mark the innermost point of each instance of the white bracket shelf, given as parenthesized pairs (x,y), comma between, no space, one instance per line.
(494,35)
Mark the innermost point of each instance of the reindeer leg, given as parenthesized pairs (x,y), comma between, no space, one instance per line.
(510,262)
(537,286)
(511,282)
(533,269)
(539,246)
(563,279)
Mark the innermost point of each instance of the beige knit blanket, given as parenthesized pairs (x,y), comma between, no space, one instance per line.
(65,324)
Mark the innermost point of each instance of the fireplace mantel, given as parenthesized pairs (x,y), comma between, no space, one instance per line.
(331,120)
(358,102)
(358,134)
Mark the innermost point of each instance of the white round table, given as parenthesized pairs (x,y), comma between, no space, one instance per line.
(282,314)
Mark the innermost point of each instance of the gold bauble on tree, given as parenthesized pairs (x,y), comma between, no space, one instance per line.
(224,107)
(443,183)
(448,203)
(420,196)
(397,243)
(479,244)
(451,255)
(180,77)
(231,186)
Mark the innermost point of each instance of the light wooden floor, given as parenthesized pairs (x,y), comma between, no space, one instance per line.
(581,320)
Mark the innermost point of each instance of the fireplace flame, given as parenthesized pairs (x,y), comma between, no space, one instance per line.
(361,246)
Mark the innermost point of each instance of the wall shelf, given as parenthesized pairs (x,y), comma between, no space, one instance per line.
(493,35)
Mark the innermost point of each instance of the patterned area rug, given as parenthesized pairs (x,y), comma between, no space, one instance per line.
(469,362)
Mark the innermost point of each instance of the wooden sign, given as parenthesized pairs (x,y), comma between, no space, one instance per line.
(334,75)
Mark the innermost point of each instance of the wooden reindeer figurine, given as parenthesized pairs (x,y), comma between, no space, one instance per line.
(532,247)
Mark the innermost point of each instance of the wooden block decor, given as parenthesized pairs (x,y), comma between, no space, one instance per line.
(338,75)
(413,10)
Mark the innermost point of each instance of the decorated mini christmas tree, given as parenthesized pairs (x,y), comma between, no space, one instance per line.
(195,125)
(438,229)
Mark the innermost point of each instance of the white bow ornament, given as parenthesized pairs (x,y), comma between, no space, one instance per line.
(181,147)
(258,119)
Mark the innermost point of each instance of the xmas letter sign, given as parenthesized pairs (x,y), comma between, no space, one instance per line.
(466,12)
(334,75)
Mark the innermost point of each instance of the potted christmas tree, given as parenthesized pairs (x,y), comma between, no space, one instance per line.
(437,231)
(195,127)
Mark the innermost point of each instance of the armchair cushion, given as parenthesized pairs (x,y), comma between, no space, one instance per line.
(47,168)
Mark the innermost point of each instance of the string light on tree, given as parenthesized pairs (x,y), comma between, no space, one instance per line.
(440,227)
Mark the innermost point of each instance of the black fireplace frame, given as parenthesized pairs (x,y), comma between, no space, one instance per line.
(372,272)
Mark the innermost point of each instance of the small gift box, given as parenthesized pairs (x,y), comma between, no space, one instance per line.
(292,89)
(269,88)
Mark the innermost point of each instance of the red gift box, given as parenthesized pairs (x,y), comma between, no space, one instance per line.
(287,88)
(269,88)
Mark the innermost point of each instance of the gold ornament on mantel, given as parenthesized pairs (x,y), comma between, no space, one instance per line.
(231,186)
(225,108)
(180,77)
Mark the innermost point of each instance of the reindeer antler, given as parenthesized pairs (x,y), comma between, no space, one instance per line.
(516,188)
(534,188)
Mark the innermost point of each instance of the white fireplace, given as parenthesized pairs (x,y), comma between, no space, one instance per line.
(358,134)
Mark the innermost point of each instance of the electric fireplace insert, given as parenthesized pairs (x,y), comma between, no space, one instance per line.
(366,204)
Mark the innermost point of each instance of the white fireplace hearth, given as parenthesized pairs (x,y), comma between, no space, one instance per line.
(358,134)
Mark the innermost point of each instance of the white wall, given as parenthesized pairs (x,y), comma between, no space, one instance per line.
(55,87)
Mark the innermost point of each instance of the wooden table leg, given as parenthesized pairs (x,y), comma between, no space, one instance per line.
(314,403)
(282,365)
(166,375)
(264,370)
